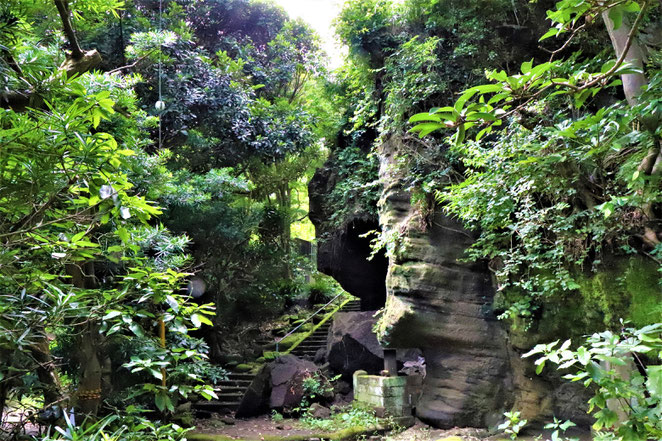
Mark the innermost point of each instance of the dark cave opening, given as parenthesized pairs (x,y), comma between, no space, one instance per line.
(344,256)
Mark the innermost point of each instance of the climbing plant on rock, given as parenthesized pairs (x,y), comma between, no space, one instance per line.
(559,171)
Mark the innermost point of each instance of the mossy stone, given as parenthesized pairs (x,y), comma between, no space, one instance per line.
(243,367)
(268,356)
(290,340)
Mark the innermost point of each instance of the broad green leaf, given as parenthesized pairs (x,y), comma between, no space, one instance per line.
(654,380)
(172,302)
(616,16)
(426,128)
(111,314)
(136,329)
(526,67)
(123,234)
(424,117)
(583,355)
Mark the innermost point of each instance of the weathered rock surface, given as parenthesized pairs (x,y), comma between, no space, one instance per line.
(444,306)
(287,375)
(256,399)
(279,385)
(352,345)
(319,411)
(342,252)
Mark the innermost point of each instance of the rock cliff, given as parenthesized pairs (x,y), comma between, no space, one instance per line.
(444,306)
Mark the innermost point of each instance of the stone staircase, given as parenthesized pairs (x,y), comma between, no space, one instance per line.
(230,392)
(352,306)
(309,347)
(317,340)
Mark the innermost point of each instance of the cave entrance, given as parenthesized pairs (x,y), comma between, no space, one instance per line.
(344,256)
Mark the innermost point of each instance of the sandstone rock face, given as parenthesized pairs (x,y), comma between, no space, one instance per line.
(352,345)
(342,251)
(444,307)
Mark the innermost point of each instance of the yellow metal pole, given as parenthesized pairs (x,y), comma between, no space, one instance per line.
(162,333)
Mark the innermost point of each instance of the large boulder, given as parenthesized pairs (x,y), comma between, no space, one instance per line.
(352,345)
(279,385)
(287,376)
(256,399)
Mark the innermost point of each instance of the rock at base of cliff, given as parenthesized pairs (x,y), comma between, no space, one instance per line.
(256,399)
(352,345)
(288,374)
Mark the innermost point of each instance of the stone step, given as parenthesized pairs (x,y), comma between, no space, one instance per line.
(216,406)
(230,396)
(240,376)
(230,390)
(231,382)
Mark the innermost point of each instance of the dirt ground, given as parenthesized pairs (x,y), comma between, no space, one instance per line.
(261,427)
(253,428)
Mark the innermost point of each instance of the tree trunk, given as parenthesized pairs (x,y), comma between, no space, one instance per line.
(65,15)
(632,87)
(46,372)
(89,390)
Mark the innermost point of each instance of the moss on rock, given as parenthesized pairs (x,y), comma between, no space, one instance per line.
(622,288)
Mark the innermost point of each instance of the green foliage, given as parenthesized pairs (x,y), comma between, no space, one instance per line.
(112,428)
(364,25)
(276,417)
(550,177)
(513,424)
(344,418)
(605,364)
(82,264)
(317,385)
(357,189)
(412,77)
(321,289)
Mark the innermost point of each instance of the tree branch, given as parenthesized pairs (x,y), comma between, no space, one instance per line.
(65,15)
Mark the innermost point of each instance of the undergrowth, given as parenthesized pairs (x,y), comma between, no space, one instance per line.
(353,415)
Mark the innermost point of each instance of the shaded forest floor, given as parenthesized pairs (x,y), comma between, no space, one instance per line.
(265,429)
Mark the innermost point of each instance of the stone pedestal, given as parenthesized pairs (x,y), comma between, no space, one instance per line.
(387,395)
